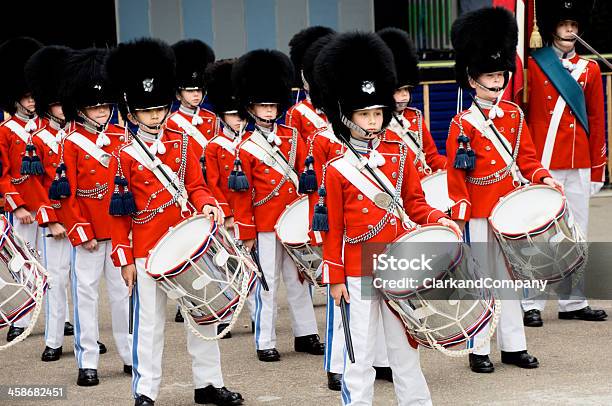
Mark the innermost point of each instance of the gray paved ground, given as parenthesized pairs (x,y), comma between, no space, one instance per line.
(575,357)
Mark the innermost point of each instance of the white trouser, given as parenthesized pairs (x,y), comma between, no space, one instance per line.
(274,262)
(89,267)
(577,184)
(334,341)
(148,345)
(488,254)
(57,254)
(33,235)
(365,314)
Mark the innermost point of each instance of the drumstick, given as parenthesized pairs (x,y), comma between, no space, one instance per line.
(131,315)
(347,330)
(262,277)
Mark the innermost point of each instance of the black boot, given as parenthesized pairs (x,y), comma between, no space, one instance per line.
(521,359)
(481,364)
(334,381)
(102,348)
(220,328)
(532,318)
(217,396)
(384,373)
(179,316)
(68,329)
(142,400)
(309,344)
(269,355)
(88,377)
(13,333)
(51,354)
(586,314)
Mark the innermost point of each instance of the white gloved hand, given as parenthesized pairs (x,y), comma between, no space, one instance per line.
(596,187)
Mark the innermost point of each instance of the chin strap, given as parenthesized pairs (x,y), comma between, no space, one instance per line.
(263,120)
(352,126)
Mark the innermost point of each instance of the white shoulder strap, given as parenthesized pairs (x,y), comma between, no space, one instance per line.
(311,115)
(90,147)
(19,130)
(190,129)
(477,121)
(48,139)
(225,144)
(257,146)
(555,120)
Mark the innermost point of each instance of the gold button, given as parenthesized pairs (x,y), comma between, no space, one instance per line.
(394,175)
(338,152)
(512,130)
(370,226)
(394,159)
(86,156)
(226,167)
(50,152)
(175,146)
(223,156)
(513,115)
(308,123)
(121,138)
(146,182)
(153,195)
(360,197)
(140,167)
(97,184)
(581,83)
(549,97)
(18,142)
(177,160)
(364,210)
(572,125)
(209,120)
(488,148)
(392,222)
(266,170)
(420,169)
(276,194)
(273,181)
(54,165)
(207,131)
(290,190)
(493,162)
(92,171)
(545,82)
(550,112)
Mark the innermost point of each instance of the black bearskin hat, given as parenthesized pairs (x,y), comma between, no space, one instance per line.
(550,12)
(142,71)
(310,57)
(14,54)
(220,91)
(347,86)
(484,41)
(84,82)
(192,58)
(299,44)
(44,72)
(404,54)
(263,76)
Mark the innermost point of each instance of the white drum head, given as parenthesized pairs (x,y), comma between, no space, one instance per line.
(526,210)
(177,246)
(435,187)
(431,233)
(292,226)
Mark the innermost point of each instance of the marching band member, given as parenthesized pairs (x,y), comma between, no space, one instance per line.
(358,99)
(266,174)
(407,122)
(485,164)
(87,100)
(43,73)
(221,151)
(568,129)
(303,116)
(143,72)
(25,197)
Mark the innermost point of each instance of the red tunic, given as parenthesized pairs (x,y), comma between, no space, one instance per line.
(144,185)
(306,127)
(22,190)
(86,217)
(477,201)
(248,220)
(353,214)
(208,128)
(573,148)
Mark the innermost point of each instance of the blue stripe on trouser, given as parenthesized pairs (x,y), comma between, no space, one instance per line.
(257,314)
(466,237)
(135,373)
(346,394)
(77,324)
(329,332)
(47,310)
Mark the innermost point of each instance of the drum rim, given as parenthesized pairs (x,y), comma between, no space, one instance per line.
(291,205)
(538,230)
(437,173)
(198,252)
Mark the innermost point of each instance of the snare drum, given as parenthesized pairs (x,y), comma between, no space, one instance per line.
(292,231)
(20,276)
(435,187)
(198,264)
(538,234)
(438,318)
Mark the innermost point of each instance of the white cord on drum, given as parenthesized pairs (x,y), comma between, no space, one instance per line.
(241,301)
(38,299)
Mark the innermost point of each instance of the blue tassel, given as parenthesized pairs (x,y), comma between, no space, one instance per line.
(461,158)
(53,194)
(471,156)
(36,167)
(25,165)
(63,188)
(237,180)
(116,205)
(308,178)
(319,218)
(203,164)
(129,204)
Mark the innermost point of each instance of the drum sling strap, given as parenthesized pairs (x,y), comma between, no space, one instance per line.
(311,115)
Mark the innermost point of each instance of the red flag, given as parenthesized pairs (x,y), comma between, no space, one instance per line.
(513,92)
